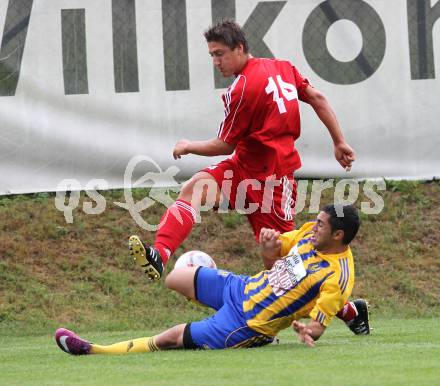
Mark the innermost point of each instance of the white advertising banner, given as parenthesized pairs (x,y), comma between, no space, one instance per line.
(85,86)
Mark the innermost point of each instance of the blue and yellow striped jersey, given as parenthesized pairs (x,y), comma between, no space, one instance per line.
(304,283)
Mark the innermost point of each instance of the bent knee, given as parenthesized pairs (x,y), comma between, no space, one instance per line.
(177,278)
(202,185)
(182,280)
(197,179)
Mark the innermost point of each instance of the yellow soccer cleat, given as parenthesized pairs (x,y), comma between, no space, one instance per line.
(147,257)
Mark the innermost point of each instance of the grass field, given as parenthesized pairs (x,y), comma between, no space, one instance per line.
(399,352)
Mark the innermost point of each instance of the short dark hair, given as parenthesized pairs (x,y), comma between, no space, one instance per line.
(227,32)
(344,217)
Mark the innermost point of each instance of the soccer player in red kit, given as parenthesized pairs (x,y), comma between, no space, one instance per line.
(260,127)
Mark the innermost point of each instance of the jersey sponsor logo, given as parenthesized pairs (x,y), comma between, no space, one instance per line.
(287,273)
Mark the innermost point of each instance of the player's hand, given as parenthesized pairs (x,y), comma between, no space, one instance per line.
(181,148)
(269,239)
(304,333)
(345,155)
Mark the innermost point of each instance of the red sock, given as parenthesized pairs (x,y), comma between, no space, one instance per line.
(175,226)
(348,312)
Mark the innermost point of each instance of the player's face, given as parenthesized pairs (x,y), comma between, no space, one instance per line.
(322,237)
(228,62)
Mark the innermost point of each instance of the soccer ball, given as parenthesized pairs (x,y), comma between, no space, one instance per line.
(195,259)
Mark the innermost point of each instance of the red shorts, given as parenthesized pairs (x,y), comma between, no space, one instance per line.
(267,203)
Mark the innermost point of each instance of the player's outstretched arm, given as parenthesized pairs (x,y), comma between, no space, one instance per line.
(344,154)
(209,148)
(308,333)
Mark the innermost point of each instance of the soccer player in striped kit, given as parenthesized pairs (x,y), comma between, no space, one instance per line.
(312,277)
(259,131)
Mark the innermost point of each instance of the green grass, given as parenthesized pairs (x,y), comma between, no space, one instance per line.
(399,352)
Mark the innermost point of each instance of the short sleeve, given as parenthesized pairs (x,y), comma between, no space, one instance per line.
(329,302)
(301,85)
(235,123)
(287,241)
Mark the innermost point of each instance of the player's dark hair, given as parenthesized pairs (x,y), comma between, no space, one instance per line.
(227,32)
(344,217)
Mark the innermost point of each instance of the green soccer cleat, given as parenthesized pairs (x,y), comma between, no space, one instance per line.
(147,257)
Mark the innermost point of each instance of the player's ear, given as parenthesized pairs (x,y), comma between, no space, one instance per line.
(338,235)
(240,48)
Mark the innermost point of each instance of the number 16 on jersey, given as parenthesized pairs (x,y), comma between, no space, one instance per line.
(287,89)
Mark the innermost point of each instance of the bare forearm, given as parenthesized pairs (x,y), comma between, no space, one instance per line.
(270,254)
(344,154)
(209,148)
(270,246)
(328,118)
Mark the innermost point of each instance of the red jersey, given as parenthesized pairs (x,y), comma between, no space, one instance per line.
(262,117)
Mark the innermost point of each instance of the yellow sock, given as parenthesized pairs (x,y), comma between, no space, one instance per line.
(129,346)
